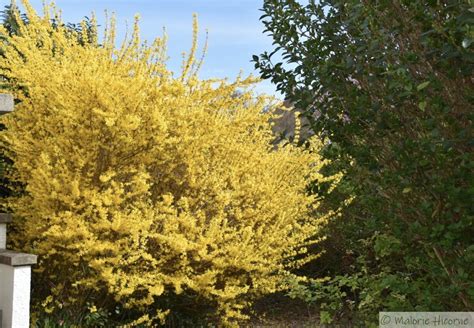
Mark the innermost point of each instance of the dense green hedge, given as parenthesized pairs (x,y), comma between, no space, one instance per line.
(392,84)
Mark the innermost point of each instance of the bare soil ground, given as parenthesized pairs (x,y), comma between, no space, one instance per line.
(281,311)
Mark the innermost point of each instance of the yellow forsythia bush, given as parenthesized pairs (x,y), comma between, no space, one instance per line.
(139,185)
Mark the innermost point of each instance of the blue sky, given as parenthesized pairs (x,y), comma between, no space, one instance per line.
(235,32)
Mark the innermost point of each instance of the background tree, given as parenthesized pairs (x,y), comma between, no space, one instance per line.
(392,81)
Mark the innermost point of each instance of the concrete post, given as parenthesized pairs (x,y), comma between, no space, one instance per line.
(6,103)
(15,268)
(15,283)
(4,219)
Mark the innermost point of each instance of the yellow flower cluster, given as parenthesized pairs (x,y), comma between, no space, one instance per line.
(139,184)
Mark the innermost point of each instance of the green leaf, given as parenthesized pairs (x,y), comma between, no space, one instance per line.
(423,85)
(325,317)
(467,42)
(422,105)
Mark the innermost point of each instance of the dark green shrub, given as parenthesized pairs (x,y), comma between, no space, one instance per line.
(391,84)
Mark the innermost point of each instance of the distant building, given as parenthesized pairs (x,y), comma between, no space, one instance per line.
(286,124)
